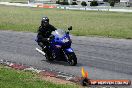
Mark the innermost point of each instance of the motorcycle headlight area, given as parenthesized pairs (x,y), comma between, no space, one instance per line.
(65,40)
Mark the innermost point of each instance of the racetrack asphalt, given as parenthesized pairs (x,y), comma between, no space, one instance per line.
(103,58)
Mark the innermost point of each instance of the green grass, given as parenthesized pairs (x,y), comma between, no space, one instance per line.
(87,23)
(10,78)
(15,1)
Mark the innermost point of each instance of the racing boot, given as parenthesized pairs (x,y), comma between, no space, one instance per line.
(48,54)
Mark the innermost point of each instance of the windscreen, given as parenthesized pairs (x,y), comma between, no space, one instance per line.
(59,32)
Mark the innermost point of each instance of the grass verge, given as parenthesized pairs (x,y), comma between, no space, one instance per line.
(10,78)
(15,1)
(85,23)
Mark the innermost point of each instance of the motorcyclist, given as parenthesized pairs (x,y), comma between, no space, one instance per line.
(44,33)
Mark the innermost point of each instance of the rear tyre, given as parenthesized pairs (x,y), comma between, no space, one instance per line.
(71,59)
(49,57)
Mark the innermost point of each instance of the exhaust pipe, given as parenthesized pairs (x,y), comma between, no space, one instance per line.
(40,51)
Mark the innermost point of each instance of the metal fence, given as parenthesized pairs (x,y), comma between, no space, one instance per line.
(96,8)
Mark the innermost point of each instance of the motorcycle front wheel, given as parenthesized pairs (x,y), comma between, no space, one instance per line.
(71,58)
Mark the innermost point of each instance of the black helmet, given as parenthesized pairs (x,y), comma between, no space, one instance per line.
(45,21)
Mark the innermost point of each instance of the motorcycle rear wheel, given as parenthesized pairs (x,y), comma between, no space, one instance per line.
(49,58)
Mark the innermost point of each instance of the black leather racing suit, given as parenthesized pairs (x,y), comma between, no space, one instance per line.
(43,34)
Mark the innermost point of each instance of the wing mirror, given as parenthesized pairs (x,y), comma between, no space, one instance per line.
(70,28)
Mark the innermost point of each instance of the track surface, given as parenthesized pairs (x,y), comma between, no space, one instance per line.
(103,58)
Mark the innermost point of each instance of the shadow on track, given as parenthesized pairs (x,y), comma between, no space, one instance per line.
(61,63)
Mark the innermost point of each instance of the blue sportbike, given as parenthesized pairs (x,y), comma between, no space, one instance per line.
(60,47)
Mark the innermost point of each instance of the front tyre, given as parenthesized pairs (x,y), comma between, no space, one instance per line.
(71,58)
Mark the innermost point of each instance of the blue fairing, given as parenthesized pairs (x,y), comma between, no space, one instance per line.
(60,38)
(69,50)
